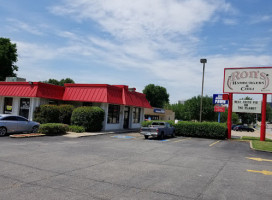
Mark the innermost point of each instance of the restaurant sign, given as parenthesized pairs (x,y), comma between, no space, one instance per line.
(253,80)
(247,106)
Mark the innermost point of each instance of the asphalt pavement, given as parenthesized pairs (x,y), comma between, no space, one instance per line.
(126,166)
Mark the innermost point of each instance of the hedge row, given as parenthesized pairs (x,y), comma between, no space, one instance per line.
(53,129)
(53,114)
(197,129)
(203,130)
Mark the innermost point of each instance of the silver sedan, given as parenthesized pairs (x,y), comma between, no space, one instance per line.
(16,124)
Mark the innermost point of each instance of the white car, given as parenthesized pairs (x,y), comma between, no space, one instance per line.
(16,124)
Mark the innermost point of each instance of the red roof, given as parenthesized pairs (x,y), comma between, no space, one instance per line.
(31,89)
(102,93)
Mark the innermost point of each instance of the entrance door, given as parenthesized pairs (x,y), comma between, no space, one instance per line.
(24,107)
(126,117)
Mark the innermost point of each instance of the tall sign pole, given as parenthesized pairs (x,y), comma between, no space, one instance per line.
(230,115)
(263,124)
(203,60)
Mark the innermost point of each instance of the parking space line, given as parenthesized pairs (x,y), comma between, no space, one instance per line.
(264,172)
(182,140)
(214,143)
(259,159)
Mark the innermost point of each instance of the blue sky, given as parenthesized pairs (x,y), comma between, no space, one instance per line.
(139,42)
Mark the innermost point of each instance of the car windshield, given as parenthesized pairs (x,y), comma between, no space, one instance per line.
(157,124)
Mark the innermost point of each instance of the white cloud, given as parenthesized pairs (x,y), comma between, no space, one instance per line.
(22,26)
(144,18)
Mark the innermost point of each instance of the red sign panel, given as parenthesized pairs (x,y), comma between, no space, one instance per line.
(219,109)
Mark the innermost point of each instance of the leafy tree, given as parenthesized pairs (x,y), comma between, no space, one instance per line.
(156,95)
(192,109)
(178,109)
(67,80)
(61,82)
(234,117)
(8,58)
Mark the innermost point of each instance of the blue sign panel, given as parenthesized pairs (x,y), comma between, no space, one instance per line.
(218,99)
(159,110)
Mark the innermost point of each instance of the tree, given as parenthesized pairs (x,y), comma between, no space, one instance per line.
(156,95)
(8,58)
(234,117)
(178,109)
(61,82)
(192,109)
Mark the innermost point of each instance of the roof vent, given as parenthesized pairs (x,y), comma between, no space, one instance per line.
(132,89)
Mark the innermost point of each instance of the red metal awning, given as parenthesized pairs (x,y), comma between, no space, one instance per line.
(102,93)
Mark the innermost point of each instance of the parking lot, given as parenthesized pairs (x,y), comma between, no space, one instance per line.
(126,166)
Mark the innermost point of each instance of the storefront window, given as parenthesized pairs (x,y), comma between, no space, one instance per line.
(24,107)
(136,115)
(113,114)
(7,105)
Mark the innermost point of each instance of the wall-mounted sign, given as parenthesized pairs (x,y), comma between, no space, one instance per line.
(253,80)
(218,99)
(247,106)
(159,110)
(219,109)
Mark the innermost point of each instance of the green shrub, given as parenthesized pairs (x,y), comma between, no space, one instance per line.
(65,113)
(76,129)
(53,114)
(47,114)
(53,129)
(147,123)
(203,130)
(91,118)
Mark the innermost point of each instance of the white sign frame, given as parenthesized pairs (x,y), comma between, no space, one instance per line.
(248,80)
(247,106)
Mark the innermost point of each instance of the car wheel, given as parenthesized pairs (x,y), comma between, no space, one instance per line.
(174,134)
(3,131)
(34,129)
(146,136)
(161,136)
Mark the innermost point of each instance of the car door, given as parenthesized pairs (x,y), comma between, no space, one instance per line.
(22,124)
(10,122)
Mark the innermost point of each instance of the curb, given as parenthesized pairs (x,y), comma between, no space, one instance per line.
(27,135)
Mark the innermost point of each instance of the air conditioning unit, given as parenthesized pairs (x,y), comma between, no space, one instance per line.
(15,79)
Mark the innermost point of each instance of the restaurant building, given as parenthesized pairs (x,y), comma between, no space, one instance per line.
(123,106)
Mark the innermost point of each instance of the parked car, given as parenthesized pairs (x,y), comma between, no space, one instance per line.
(158,129)
(233,126)
(243,128)
(16,124)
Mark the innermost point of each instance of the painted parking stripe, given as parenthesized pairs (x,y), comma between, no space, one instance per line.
(182,140)
(264,172)
(259,159)
(123,137)
(214,143)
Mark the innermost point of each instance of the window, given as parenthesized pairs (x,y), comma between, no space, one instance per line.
(7,105)
(10,118)
(136,115)
(87,104)
(113,114)
(21,119)
(24,107)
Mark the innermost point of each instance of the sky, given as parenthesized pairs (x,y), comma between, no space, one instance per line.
(136,43)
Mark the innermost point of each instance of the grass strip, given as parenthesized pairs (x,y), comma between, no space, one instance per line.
(260,145)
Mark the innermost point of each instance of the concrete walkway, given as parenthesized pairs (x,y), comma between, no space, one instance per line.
(87,134)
